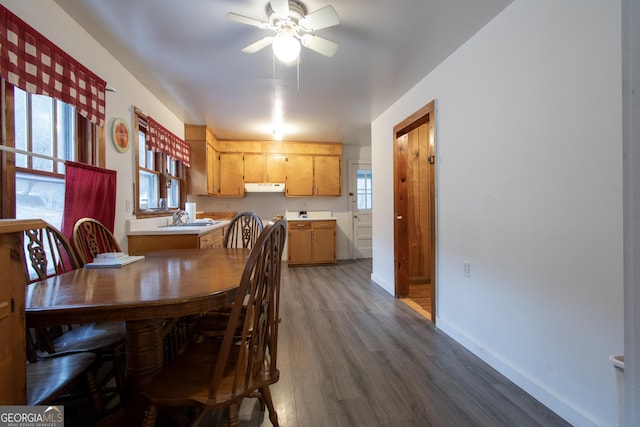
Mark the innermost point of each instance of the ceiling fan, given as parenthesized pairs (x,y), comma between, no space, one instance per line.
(293,27)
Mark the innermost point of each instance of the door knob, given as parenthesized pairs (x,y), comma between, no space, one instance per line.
(399,217)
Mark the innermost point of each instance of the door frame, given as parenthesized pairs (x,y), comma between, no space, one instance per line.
(426,114)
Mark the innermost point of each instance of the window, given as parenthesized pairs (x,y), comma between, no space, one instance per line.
(363,190)
(172,182)
(159,176)
(42,126)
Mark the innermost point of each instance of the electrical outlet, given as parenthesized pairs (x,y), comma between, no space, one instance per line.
(467,269)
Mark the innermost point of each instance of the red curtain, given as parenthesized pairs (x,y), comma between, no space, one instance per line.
(162,140)
(90,191)
(33,63)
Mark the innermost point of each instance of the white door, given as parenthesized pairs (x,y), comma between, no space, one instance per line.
(360,199)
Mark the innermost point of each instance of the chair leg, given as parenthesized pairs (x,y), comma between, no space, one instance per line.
(94,392)
(266,397)
(232,415)
(150,416)
(119,372)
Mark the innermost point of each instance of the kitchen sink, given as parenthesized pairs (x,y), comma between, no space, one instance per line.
(192,224)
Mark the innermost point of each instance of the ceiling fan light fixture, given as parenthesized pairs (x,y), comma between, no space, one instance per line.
(286,47)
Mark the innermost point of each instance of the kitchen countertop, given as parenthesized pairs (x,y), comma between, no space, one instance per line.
(311,216)
(158,226)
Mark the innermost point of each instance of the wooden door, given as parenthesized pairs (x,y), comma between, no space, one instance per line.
(327,172)
(414,203)
(212,170)
(299,175)
(299,242)
(276,168)
(231,181)
(417,217)
(324,241)
(254,167)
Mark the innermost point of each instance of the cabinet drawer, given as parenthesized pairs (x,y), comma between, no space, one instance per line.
(212,239)
(206,240)
(299,225)
(323,225)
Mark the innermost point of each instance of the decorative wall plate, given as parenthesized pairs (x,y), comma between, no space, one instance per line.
(120,134)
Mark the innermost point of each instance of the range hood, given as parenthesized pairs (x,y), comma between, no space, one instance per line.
(260,187)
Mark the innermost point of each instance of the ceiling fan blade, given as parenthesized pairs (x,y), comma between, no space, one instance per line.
(321,18)
(281,8)
(246,20)
(320,45)
(260,44)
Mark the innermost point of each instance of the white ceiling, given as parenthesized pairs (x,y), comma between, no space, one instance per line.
(189,55)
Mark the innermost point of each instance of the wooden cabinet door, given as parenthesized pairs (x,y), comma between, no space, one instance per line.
(213,176)
(231,182)
(13,359)
(299,175)
(323,245)
(276,168)
(299,243)
(254,167)
(327,175)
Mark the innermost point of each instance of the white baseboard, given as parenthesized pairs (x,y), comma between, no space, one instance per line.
(575,416)
(380,282)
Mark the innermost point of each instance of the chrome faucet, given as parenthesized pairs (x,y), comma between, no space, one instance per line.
(180,217)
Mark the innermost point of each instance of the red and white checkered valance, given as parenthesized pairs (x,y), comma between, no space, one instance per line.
(30,61)
(162,140)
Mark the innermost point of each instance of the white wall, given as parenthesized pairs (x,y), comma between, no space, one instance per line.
(51,21)
(529,187)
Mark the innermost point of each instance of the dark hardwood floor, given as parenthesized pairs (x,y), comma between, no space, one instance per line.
(352,355)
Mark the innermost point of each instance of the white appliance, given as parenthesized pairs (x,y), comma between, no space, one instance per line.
(264,187)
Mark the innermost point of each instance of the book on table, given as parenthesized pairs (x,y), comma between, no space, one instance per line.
(113,259)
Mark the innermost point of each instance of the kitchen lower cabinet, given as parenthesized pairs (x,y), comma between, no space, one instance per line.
(142,244)
(312,242)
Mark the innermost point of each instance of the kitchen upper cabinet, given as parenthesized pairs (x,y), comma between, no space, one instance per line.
(275,165)
(314,175)
(254,167)
(203,177)
(327,175)
(213,171)
(221,168)
(259,167)
(299,175)
(231,175)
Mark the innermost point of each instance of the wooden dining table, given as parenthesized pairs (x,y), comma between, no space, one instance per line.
(164,285)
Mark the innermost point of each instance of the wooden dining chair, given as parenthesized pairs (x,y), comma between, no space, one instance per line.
(49,253)
(50,378)
(218,374)
(91,237)
(243,230)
